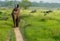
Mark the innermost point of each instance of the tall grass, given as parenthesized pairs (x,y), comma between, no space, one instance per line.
(6,25)
(39,27)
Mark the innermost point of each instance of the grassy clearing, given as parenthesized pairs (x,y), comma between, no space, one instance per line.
(41,28)
(6,25)
(34,26)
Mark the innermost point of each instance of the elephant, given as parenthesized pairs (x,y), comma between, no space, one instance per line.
(16,15)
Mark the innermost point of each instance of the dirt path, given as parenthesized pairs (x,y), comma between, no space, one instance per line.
(18,34)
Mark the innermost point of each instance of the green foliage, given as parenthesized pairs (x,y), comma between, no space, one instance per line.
(13,36)
(35,27)
(39,27)
(6,25)
(28,3)
(10,3)
(25,4)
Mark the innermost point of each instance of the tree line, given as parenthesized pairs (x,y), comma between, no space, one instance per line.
(25,4)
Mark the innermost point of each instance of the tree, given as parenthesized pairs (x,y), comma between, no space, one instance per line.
(25,4)
(10,3)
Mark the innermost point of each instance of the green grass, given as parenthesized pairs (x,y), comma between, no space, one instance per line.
(6,25)
(34,26)
(39,27)
(13,36)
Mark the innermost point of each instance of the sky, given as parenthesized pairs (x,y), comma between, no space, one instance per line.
(49,1)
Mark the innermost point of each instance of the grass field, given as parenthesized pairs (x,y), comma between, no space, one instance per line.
(6,25)
(34,26)
(39,27)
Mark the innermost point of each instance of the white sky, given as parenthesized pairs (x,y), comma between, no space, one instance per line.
(50,1)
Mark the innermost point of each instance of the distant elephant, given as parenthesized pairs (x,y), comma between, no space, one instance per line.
(16,16)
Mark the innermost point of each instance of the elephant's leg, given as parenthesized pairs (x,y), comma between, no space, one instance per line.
(14,23)
(14,20)
(17,22)
(19,18)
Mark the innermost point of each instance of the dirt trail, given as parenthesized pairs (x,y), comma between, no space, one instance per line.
(18,34)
